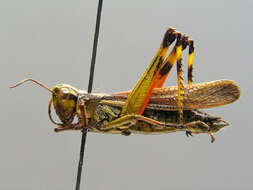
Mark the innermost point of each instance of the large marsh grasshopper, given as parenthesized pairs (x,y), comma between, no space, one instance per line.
(149,108)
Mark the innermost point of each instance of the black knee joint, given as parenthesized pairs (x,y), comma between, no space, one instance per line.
(169,37)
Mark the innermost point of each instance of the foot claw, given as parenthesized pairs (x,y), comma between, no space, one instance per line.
(212,138)
(188,133)
(126,132)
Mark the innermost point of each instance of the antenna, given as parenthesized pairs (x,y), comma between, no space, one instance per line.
(35,81)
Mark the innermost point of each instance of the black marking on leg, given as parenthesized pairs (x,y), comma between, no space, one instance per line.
(169,37)
(166,68)
(190,75)
(160,61)
(126,133)
(188,133)
(179,39)
(184,42)
(191,46)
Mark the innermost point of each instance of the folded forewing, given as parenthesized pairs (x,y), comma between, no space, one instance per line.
(196,96)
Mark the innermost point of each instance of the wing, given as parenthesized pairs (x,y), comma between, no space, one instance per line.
(196,96)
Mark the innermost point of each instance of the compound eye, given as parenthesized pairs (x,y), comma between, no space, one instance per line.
(65,90)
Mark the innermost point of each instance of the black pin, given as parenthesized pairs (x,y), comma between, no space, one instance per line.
(92,67)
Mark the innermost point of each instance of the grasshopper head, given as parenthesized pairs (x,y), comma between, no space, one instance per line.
(64,101)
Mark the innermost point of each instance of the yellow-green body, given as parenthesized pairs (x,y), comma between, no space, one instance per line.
(103,111)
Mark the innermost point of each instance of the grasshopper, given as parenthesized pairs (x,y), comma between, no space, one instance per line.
(149,108)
